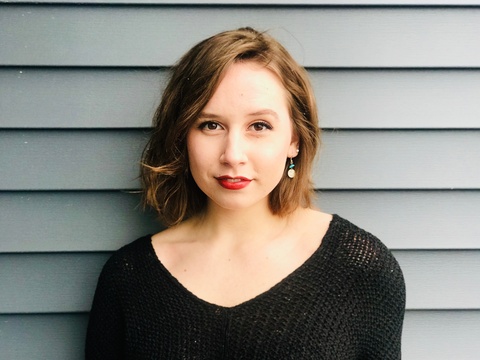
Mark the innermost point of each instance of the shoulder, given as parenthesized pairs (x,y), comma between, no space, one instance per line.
(378,287)
(363,276)
(132,256)
(122,270)
(365,257)
(359,247)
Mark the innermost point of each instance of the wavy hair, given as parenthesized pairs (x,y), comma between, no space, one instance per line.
(167,185)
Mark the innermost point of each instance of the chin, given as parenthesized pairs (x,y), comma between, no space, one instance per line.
(239,205)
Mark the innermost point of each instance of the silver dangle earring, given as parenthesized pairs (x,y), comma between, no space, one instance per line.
(291,170)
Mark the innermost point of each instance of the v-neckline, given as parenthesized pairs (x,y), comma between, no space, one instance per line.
(170,277)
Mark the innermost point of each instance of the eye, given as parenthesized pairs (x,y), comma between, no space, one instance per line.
(209,126)
(261,126)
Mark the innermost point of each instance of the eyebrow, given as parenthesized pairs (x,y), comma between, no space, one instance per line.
(265,112)
(204,115)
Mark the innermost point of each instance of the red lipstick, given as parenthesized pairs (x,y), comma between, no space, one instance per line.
(233,183)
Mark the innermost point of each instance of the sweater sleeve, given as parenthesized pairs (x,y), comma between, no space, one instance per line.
(385,306)
(105,327)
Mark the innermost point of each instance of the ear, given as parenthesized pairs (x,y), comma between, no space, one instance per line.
(294,146)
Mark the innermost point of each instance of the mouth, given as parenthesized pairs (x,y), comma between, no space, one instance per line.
(232,179)
(233,183)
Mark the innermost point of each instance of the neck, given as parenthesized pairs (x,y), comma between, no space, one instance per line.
(240,227)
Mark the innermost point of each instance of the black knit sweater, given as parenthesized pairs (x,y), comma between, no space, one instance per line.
(346,301)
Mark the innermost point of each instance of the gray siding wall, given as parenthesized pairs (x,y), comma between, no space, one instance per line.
(398,90)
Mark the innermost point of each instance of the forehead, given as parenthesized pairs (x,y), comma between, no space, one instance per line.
(251,84)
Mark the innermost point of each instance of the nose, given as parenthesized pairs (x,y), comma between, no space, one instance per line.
(234,149)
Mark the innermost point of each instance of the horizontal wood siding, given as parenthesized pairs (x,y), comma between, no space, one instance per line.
(266,2)
(41,221)
(441,335)
(379,159)
(43,336)
(317,36)
(397,88)
(65,282)
(61,336)
(126,98)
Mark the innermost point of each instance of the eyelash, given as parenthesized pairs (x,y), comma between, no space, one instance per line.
(203,125)
(266,126)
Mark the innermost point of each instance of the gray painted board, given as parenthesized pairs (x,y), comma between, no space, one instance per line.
(104,221)
(78,98)
(398,98)
(441,279)
(126,98)
(265,2)
(71,221)
(411,219)
(100,159)
(70,159)
(398,159)
(439,335)
(38,283)
(317,36)
(40,337)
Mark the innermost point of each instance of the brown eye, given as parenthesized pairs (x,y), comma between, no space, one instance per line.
(209,125)
(261,126)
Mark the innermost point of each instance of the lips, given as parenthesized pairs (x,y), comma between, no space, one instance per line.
(233,183)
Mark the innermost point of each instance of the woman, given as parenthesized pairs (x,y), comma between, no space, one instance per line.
(246,269)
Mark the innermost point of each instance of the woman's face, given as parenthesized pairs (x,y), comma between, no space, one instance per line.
(238,146)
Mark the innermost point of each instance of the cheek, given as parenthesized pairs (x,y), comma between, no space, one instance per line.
(274,159)
(278,150)
(199,156)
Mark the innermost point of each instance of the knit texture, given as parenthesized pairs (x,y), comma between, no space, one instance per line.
(347,301)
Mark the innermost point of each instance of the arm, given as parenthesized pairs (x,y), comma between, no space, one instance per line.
(105,327)
(385,307)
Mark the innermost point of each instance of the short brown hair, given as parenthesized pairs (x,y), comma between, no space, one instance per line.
(167,184)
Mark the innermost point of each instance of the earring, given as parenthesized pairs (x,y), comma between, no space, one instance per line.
(291,170)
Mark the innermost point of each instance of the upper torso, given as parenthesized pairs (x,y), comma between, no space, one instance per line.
(346,301)
(228,273)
